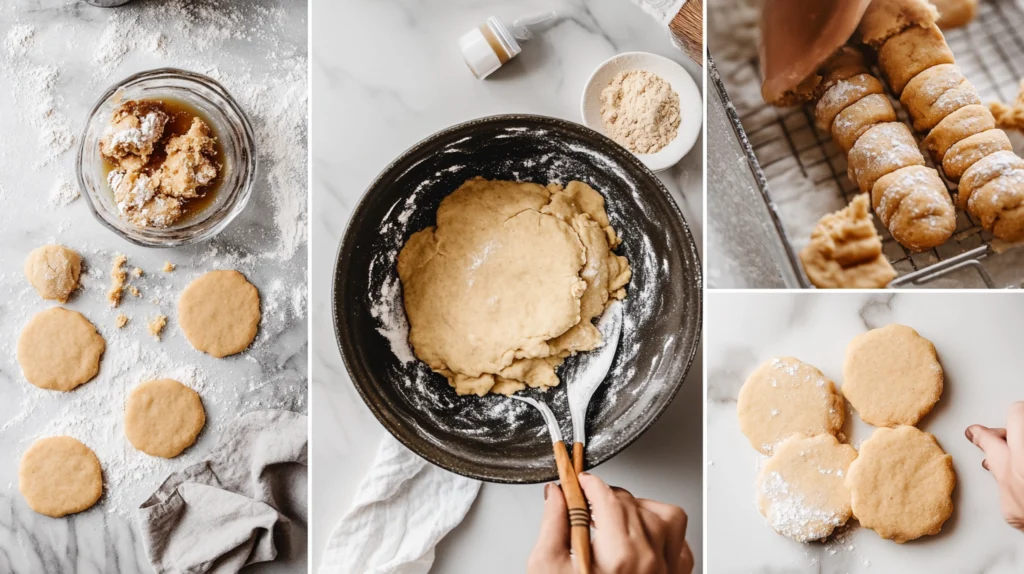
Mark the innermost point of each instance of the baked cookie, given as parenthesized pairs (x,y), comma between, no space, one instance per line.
(845,251)
(935,93)
(59,475)
(841,96)
(892,376)
(911,52)
(801,489)
(914,204)
(54,271)
(785,396)
(955,13)
(967,152)
(999,205)
(985,170)
(852,122)
(60,350)
(957,126)
(882,150)
(901,484)
(886,18)
(220,313)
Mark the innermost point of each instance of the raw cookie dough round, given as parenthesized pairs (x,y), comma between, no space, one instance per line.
(882,150)
(59,476)
(901,484)
(59,350)
(785,396)
(858,118)
(892,376)
(163,417)
(842,95)
(915,206)
(967,152)
(220,313)
(955,127)
(801,489)
(911,52)
(53,270)
(508,282)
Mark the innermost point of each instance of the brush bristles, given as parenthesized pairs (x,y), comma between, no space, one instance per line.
(688,28)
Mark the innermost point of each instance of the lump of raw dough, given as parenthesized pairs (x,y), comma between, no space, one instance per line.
(957,126)
(914,204)
(786,396)
(190,162)
(134,130)
(59,475)
(163,417)
(220,313)
(139,201)
(1010,116)
(54,271)
(845,251)
(970,150)
(882,150)
(59,350)
(886,18)
(892,376)
(911,52)
(901,484)
(508,282)
(859,117)
(801,490)
(955,13)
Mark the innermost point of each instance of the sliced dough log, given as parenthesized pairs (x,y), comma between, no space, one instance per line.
(914,204)
(841,96)
(985,170)
(956,127)
(968,151)
(955,13)
(999,204)
(886,18)
(935,93)
(882,150)
(911,52)
(858,118)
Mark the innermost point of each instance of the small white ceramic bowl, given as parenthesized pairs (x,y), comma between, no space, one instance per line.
(691,106)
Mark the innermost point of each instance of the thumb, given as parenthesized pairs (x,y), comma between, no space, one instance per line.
(993,444)
(551,553)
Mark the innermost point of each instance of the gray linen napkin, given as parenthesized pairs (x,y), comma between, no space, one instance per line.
(225,512)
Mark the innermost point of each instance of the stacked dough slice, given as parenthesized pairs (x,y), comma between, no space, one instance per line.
(961,133)
(899,485)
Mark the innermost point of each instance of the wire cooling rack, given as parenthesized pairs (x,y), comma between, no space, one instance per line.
(990,52)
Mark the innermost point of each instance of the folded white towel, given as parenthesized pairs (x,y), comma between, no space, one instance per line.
(403,508)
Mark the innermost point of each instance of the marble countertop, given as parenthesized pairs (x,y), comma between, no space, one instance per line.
(372,99)
(57,57)
(977,337)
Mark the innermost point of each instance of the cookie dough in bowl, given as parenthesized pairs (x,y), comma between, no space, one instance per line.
(492,437)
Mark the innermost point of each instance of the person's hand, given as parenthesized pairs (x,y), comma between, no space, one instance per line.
(1004,458)
(631,535)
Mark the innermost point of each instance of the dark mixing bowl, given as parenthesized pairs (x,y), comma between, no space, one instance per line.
(495,438)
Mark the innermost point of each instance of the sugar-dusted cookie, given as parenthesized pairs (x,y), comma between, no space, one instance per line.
(935,93)
(841,96)
(882,150)
(901,484)
(957,126)
(852,122)
(911,52)
(892,376)
(968,151)
(885,18)
(914,204)
(801,490)
(785,396)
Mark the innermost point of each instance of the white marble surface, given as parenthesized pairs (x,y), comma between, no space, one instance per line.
(376,93)
(977,337)
(57,57)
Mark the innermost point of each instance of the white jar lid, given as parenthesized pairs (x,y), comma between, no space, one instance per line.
(478,53)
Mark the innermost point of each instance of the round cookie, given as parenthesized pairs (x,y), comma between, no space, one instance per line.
(882,150)
(59,350)
(891,376)
(841,96)
(785,396)
(858,118)
(801,489)
(967,152)
(935,93)
(59,476)
(163,417)
(220,313)
(955,127)
(54,271)
(911,52)
(901,484)
(915,206)
(999,204)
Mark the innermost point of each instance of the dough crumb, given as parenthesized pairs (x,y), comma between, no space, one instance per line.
(1010,116)
(134,291)
(121,321)
(640,111)
(168,267)
(137,272)
(846,252)
(117,279)
(156,326)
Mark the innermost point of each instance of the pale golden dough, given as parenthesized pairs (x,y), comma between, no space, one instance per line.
(163,417)
(985,170)
(801,490)
(858,118)
(999,205)
(845,251)
(892,376)
(886,18)
(901,484)
(882,150)
(957,126)
(914,204)
(53,270)
(955,13)
(783,397)
(508,283)
(935,93)
(1010,116)
(59,475)
(847,62)
(965,153)
(841,96)
(220,313)
(59,350)
(911,52)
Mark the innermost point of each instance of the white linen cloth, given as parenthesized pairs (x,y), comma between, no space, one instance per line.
(403,508)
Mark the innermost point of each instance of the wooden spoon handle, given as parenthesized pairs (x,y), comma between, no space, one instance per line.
(579,514)
(577,457)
